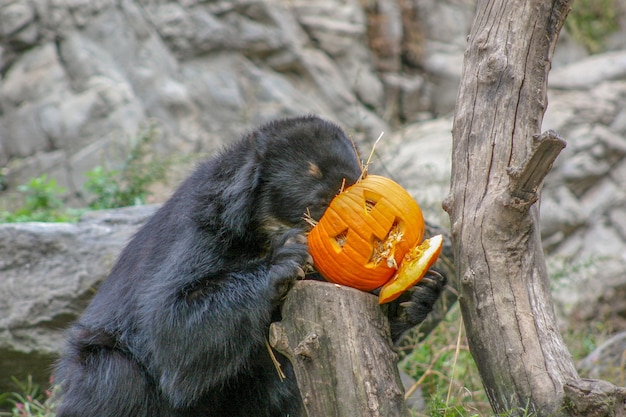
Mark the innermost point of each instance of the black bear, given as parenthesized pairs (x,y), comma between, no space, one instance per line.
(179,326)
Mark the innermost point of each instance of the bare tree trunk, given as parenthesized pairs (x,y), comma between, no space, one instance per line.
(338,340)
(499,162)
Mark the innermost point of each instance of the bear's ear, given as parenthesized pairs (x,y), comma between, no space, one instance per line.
(223,189)
(237,200)
(239,197)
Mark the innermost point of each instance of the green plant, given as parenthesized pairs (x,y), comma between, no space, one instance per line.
(104,186)
(42,193)
(591,21)
(129,185)
(42,202)
(30,401)
(107,188)
(445,371)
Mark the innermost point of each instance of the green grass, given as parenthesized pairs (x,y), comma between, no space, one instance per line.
(445,371)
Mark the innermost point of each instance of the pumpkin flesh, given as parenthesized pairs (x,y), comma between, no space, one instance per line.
(415,265)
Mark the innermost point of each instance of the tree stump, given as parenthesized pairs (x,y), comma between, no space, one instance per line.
(338,340)
(594,398)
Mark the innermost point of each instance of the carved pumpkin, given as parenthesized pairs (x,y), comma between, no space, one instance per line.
(365,233)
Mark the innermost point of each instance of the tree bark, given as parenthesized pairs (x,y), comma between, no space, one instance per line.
(338,340)
(499,162)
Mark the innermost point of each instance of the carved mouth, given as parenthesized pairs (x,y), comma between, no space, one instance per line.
(385,249)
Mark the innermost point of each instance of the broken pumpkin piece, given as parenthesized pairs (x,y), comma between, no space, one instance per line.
(414,266)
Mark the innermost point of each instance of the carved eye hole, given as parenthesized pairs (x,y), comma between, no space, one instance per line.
(340,240)
(370,200)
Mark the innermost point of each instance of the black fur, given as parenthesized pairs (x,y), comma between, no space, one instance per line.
(179,326)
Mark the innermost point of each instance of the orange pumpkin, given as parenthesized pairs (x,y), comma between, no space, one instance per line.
(365,233)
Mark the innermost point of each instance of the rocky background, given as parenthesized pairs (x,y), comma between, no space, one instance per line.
(81,78)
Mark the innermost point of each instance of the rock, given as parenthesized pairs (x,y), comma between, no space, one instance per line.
(582,171)
(445,25)
(416,400)
(204,72)
(605,194)
(607,361)
(567,50)
(617,218)
(406,95)
(52,163)
(37,74)
(339,28)
(447,21)
(583,202)
(444,68)
(48,273)
(561,213)
(590,72)
(15,17)
(419,158)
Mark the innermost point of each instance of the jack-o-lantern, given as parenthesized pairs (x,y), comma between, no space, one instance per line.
(365,233)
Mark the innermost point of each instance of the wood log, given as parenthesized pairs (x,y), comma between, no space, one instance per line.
(338,340)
